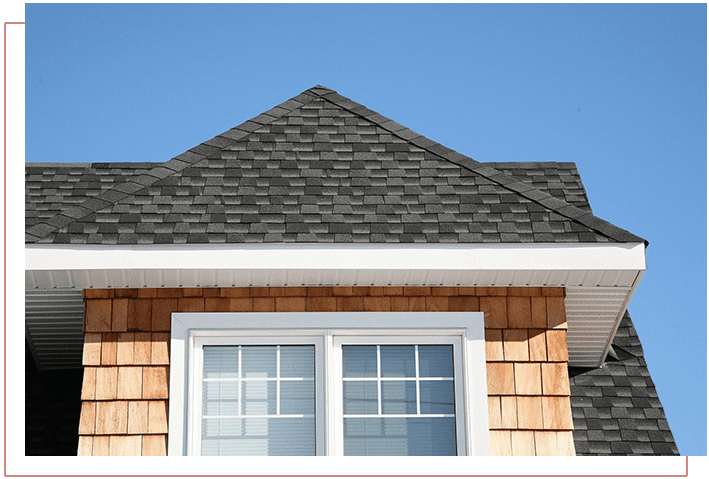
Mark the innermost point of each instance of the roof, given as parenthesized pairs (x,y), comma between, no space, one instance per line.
(616,409)
(318,168)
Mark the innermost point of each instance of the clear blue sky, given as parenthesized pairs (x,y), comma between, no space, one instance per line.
(618,89)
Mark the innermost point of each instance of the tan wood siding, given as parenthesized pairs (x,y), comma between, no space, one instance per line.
(126,356)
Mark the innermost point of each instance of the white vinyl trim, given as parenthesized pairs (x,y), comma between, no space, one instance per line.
(191,330)
(548,256)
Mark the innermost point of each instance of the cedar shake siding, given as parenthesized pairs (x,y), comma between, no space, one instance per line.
(126,356)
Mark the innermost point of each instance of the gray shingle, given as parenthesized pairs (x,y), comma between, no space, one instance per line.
(638,419)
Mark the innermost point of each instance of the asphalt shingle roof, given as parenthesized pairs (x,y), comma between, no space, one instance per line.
(317,168)
(560,180)
(51,188)
(616,409)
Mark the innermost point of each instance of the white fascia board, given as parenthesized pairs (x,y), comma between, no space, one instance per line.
(499,257)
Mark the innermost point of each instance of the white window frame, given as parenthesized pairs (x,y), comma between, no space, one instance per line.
(328,331)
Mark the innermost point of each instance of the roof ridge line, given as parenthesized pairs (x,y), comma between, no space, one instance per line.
(499,165)
(395,128)
(168,168)
(557,205)
(525,190)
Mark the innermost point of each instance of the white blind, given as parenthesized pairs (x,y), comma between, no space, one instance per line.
(258,400)
(398,400)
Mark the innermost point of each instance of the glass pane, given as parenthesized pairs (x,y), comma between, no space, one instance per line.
(424,436)
(297,361)
(436,361)
(258,397)
(220,398)
(258,437)
(359,361)
(397,361)
(262,394)
(437,397)
(221,362)
(258,361)
(399,397)
(360,397)
(213,429)
(297,397)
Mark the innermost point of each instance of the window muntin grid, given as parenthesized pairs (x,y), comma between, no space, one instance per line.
(378,374)
(254,397)
(398,399)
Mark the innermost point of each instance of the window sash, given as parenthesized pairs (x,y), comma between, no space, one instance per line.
(196,381)
(371,338)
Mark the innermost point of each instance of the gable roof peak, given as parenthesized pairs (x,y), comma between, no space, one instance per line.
(320,90)
(397,139)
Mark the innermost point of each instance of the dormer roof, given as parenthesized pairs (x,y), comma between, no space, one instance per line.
(318,168)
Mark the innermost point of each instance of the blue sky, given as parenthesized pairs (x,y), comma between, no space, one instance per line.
(618,89)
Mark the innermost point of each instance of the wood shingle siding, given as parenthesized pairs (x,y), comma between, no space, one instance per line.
(126,356)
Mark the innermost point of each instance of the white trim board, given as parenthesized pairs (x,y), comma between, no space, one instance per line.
(80,266)
(553,256)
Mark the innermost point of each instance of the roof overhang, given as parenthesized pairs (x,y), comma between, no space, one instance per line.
(600,279)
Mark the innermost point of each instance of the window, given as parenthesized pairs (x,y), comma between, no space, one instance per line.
(391,384)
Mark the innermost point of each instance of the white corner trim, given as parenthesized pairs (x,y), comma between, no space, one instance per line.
(552,256)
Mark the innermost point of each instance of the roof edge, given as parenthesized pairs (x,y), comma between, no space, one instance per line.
(609,271)
(384,257)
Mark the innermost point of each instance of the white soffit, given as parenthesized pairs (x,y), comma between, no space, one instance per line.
(54,327)
(600,278)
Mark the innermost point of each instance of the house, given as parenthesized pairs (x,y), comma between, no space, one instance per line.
(323,280)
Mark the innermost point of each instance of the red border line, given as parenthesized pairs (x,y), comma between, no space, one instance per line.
(4,240)
(4,218)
